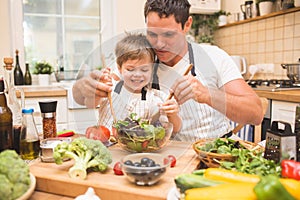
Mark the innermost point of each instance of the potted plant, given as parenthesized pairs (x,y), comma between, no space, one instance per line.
(43,70)
(204,26)
(222,17)
(265,6)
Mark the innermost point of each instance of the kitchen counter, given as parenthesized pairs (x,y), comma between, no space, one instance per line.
(53,179)
(43,91)
(60,91)
(287,95)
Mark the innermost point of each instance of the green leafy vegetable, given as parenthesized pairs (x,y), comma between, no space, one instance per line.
(139,135)
(14,175)
(87,153)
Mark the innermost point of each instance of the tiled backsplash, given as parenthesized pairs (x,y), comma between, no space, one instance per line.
(275,39)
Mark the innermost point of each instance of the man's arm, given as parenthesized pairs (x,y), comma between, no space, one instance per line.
(88,90)
(235,99)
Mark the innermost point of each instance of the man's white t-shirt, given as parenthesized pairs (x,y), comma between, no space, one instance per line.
(214,68)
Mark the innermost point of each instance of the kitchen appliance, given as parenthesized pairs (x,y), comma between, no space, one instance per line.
(247,9)
(68,75)
(273,85)
(241,63)
(297,131)
(293,72)
(205,6)
(280,142)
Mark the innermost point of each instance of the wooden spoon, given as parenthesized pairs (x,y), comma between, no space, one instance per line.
(109,93)
(157,115)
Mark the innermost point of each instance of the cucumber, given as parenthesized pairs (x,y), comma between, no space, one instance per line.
(188,181)
(199,172)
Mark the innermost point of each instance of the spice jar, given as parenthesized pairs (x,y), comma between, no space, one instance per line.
(48,110)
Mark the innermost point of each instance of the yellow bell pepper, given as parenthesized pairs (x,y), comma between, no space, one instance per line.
(227,191)
(291,185)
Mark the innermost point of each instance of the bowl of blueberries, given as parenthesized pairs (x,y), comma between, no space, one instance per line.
(144,168)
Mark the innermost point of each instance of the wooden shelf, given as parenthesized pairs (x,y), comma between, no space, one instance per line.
(273,14)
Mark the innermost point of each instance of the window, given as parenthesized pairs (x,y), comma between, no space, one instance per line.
(61,32)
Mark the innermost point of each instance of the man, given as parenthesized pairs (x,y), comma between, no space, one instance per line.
(212,94)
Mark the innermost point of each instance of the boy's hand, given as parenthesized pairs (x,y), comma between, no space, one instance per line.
(170,107)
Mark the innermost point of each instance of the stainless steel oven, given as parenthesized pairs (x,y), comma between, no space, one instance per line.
(266,123)
(274,85)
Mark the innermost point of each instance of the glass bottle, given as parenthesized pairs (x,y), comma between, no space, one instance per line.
(29,138)
(27,76)
(6,140)
(18,74)
(13,102)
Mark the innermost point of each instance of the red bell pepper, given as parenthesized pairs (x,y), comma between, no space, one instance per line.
(65,133)
(290,169)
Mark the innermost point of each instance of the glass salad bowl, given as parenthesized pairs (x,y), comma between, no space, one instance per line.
(136,135)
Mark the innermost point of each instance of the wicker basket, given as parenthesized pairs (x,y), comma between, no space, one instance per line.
(213,159)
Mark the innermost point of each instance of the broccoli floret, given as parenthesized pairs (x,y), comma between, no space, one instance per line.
(14,175)
(6,188)
(88,154)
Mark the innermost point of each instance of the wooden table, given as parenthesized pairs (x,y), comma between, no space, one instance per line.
(53,179)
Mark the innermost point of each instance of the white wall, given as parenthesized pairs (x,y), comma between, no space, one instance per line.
(232,6)
(5,39)
(130,15)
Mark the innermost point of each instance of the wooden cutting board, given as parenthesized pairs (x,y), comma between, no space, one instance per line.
(54,178)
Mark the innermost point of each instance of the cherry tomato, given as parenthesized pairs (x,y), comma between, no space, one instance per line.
(98,133)
(118,169)
(114,131)
(172,160)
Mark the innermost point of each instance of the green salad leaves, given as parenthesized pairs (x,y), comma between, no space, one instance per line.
(139,135)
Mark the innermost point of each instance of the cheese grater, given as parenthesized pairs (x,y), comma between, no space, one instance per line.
(280,143)
(297,131)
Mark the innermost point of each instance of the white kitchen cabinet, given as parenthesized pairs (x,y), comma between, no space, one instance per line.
(284,111)
(81,118)
(61,111)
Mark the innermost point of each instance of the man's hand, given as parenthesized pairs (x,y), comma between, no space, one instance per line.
(188,87)
(89,90)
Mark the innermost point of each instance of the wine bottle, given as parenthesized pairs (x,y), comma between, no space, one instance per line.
(13,102)
(6,122)
(27,76)
(18,74)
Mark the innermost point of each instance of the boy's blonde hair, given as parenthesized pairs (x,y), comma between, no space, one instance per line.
(133,46)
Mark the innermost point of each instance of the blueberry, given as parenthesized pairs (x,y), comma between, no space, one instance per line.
(137,164)
(128,162)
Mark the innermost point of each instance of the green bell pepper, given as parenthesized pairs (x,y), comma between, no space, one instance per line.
(269,188)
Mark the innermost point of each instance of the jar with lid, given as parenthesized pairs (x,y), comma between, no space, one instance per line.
(29,138)
(48,110)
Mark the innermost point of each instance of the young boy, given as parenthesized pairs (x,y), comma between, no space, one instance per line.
(134,93)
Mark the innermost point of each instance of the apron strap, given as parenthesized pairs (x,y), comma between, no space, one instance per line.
(120,85)
(191,57)
(155,80)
